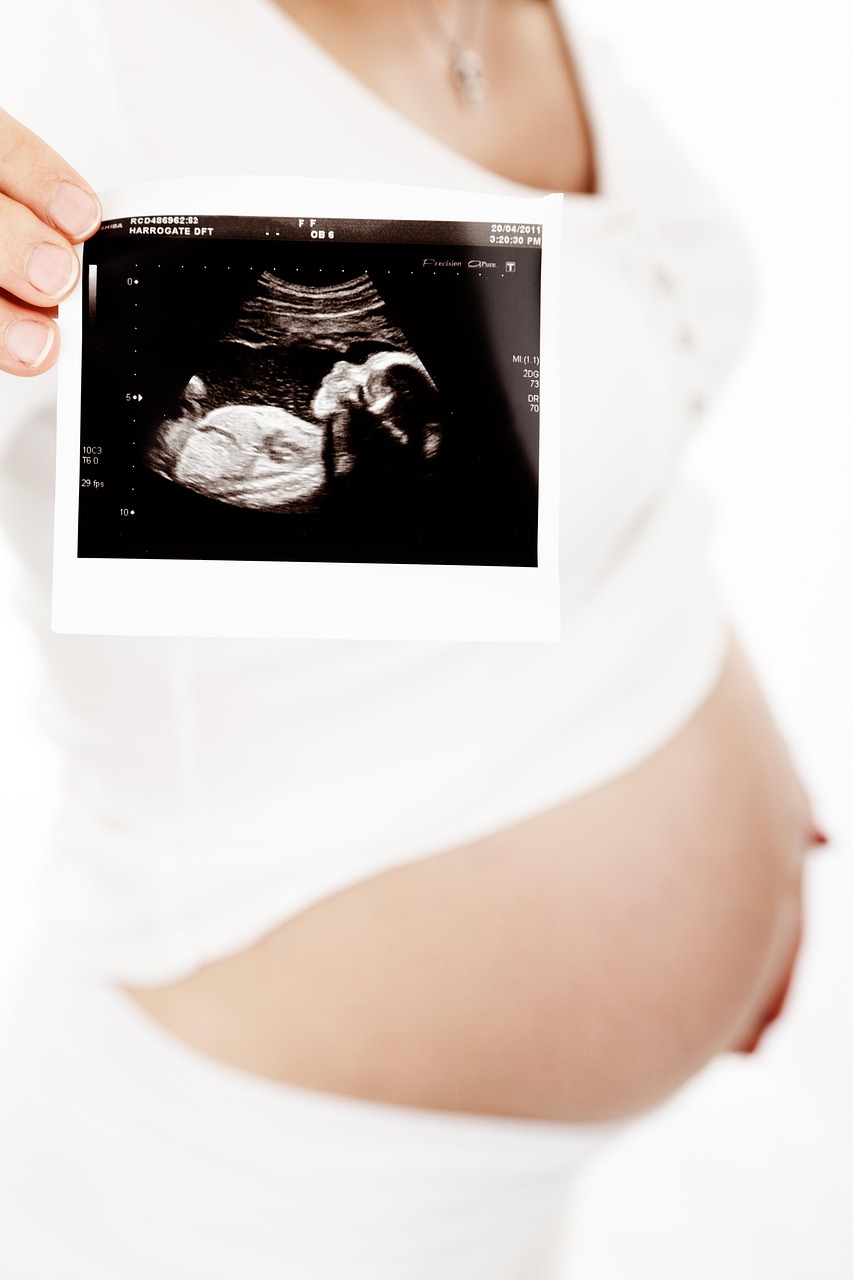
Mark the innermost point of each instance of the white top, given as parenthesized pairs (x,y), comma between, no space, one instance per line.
(215,787)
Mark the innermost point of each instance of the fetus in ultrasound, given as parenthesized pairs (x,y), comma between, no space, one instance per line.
(312,391)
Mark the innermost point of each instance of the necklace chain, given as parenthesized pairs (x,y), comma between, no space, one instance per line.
(466,69)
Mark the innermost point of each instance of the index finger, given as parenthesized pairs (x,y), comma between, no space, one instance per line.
(34,175)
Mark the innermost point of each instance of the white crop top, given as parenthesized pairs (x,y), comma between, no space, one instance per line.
(215,787)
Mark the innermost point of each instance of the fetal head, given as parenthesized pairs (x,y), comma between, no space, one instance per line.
(388,397)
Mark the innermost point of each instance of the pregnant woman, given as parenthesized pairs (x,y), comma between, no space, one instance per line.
(352,951)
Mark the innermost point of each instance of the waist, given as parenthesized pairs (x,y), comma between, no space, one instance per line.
(240,1176)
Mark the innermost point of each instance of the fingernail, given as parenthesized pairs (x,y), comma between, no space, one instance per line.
(73,210)
(29,341)
(50,268)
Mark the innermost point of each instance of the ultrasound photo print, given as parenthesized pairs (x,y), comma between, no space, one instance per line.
(254,392)
(318,410)
(258,430)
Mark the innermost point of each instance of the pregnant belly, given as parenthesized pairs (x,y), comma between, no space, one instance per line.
(578,966)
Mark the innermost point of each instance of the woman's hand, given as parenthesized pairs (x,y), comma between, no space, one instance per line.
(45,207)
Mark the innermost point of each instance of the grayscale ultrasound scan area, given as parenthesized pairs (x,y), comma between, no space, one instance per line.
(366,396)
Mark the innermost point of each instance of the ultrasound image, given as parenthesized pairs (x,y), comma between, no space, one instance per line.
(309,385)
(255,396)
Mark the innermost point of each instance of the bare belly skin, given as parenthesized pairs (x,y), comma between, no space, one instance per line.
(579,966)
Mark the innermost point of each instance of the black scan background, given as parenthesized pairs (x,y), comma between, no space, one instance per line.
(150,337)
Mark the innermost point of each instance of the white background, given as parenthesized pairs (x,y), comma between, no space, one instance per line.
(747,1174)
